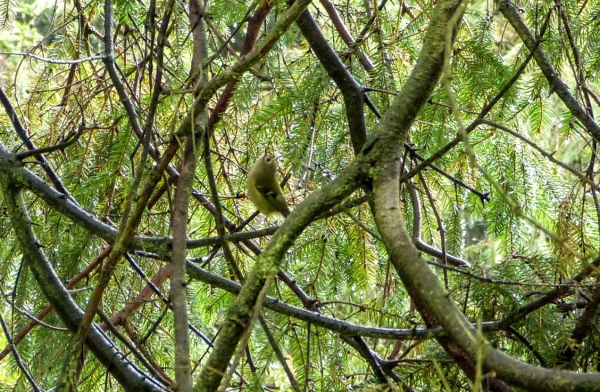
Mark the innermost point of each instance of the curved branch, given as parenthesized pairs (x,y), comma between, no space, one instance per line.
(337,71)
(435,303)
(342,327)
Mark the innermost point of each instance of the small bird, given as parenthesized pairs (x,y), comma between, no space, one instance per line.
(263,190)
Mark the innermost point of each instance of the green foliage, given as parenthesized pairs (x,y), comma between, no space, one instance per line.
(289,104)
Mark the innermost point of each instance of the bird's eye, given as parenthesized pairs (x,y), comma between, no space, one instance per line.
(268,159)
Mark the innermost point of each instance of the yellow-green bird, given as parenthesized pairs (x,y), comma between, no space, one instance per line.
(264,190)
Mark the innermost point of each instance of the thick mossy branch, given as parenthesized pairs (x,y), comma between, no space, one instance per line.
(392,130)
(421,283)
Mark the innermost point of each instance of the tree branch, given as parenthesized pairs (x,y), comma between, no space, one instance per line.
(337,71)
(511,13)
(116,363)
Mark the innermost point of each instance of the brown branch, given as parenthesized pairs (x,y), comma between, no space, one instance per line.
(254,24)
